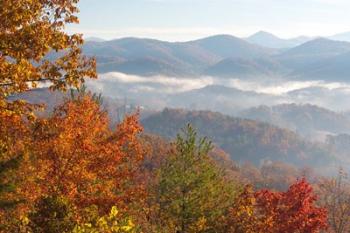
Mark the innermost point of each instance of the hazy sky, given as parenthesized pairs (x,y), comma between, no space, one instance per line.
(179,20)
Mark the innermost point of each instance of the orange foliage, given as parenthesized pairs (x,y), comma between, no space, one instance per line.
(75,154)
(14,139)
(242,217)
(294,210)
(30,33)
(277,212)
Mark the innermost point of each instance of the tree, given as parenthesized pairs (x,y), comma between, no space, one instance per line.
(111,223)
(6,186)
(335,196)
(193,194)
(34,47)
(242,216)
(294,210)
(275,212)
(14,141)
(52,214)
(75,154)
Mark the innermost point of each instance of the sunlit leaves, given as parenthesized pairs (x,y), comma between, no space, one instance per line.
(34,47)
(111,223)
(76,154)
(273,212)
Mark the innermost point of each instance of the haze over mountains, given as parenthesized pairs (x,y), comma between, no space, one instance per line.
(224,73)
(261,55)
(291,92)
(269,40)
(255,142)
(302,135)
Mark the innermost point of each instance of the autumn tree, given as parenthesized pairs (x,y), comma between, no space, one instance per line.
(335,196)
(294,210)
(76,155)
(109,223)
(52,214)
(242,216)
(34,47)
(274,212)
(14,143)
(193,194)
(13,135)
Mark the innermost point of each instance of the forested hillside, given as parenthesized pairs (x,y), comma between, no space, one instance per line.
(244,140)
(310,121)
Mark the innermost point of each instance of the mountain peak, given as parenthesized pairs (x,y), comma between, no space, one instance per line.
(219,37)
(263,34)
(269,40)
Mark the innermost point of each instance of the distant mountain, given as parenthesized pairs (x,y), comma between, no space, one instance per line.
(41,96)
(236,68)
(220,98)
(312,52)
(146,67)
(340,143)
(269,40)
(345,36)
(308,120)
(227,46)
(116,108)
(319,46)
(331,98)
(225,56)
(148,57)
(301,39)
(243,68)
(335,68)
(244,140)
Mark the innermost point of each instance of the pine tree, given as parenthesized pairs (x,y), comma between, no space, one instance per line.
(193,194)
(6,186)
(13,141)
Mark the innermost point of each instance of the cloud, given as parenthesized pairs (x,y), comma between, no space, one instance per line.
(159,83)
(282,88)
(158,92)
(167,85)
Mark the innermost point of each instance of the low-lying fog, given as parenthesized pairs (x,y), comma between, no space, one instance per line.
(219,94)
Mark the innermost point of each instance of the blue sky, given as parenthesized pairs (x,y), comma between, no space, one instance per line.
(179,20)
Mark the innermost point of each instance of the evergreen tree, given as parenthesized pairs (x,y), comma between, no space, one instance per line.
(193,193)
(6,186)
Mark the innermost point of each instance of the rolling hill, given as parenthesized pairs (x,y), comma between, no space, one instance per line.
(227,46)
(312,52)
(244,140)
(149,57)
(244,68)
(225,56)
(335,68)
(308,120)
(227,100)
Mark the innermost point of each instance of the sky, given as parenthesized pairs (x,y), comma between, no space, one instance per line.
(181,20)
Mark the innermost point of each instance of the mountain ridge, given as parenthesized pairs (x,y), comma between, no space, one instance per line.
(219,55)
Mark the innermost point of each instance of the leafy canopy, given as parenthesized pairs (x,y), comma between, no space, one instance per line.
(34,47)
